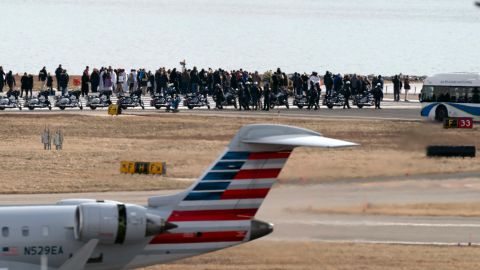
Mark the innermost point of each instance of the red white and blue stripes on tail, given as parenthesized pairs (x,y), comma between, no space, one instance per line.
(227,196)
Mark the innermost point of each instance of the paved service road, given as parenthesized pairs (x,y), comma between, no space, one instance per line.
(406,111)
(284,204)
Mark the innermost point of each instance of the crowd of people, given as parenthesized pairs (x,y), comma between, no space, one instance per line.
(250,87)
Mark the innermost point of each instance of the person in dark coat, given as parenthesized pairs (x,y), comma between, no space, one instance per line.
(50,85)
(219,96)
(297,84)
(328,81)
(347,91)
(58,73)
(396,88)
(23,84)
(42,77)
(255,93)
(266,97)
(95,80)
(64,80)
(194,80)
(85,81)
(337,83)
(151,82)
(29,86)
(10,80)
(378,95)
(2,79)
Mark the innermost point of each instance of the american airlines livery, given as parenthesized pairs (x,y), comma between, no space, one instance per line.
(216,212)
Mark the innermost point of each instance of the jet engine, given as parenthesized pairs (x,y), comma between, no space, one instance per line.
(113,223)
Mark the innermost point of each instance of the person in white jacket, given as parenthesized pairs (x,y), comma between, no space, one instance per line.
(132,80)
(121,81)
(113,76)
(313,80)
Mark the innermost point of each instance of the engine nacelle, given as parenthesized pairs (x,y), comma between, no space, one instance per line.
(113,223)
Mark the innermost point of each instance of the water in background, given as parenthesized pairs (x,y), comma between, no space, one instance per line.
(363,36)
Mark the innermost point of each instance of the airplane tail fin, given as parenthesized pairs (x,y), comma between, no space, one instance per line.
(235,185)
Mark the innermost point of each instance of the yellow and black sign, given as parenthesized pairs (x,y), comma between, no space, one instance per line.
(143,167)
(114,109)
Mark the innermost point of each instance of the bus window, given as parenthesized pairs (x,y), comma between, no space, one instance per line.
(442,93)
(427,94)
(475,95)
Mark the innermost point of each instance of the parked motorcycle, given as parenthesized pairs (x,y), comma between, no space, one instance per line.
(40,101)
(71,100)
(230,98)
(195,100)
(10,101)
(279,99)
(99,100)
(334,99)
(300,101)
(131,101)
(365,99)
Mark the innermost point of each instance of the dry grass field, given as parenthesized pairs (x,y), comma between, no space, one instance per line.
(263,255)
(95,145)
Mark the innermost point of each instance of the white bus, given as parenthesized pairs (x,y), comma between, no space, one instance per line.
(451,95)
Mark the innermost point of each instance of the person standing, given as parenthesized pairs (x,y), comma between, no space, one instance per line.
(2,79)
(377,95)
(267,81)
(42,77)
(50,85)
(396,88)
(29,86)
(406,86)
(297,84)
(64,79)
(23,84)
(58,74)
(347,91)
(85,81)
(121,80)
(328,81)
(94,80)
(314,83)
(10,80)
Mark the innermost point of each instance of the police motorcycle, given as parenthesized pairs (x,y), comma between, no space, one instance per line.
(40,101)
(300,100)
(230,98)
(70,100)
(160,100)
(131,101)
(11,101)
(334,99)
(364,99)
(279,99)
(99,100)
(195,100)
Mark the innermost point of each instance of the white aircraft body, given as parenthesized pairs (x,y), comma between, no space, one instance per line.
(216,212)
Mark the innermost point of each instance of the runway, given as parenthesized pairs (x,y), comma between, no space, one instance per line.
(284,205)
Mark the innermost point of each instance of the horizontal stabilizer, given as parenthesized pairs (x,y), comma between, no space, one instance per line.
(300,140)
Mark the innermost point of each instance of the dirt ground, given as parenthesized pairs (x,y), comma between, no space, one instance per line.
(95,145)
(311,255)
